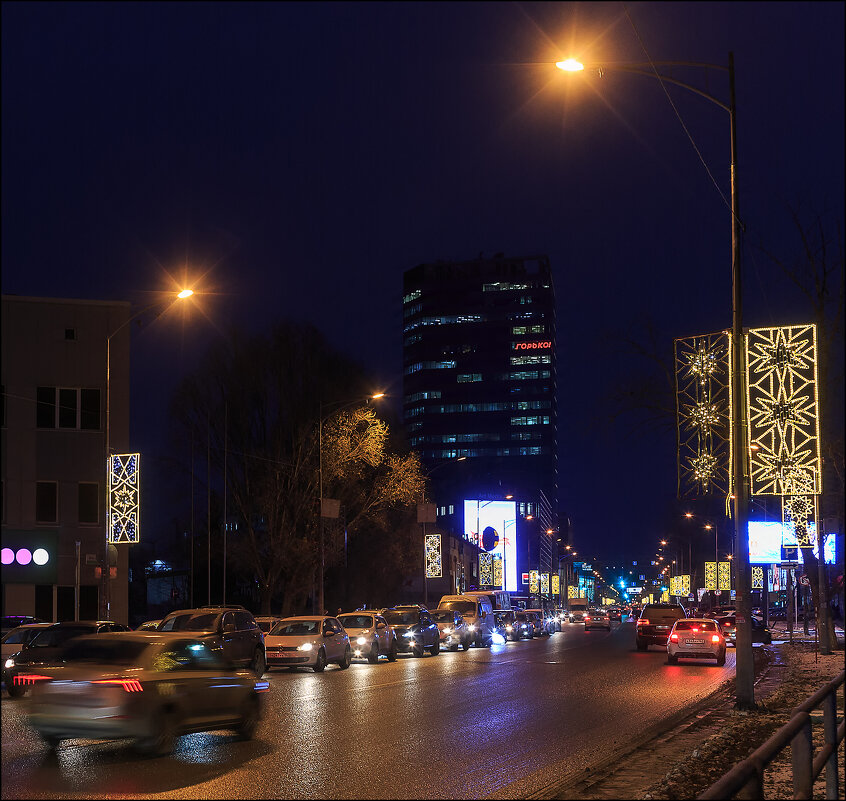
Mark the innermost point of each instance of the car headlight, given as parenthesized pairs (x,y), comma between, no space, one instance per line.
(362,641)
(447,631)
(471,627)
(10,663)
(408,634)
(509,628)
(306,646)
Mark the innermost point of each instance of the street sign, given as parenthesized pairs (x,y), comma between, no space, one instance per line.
(805,580)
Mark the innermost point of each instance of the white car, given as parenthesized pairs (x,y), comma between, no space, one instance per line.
(370,636)
(308,641)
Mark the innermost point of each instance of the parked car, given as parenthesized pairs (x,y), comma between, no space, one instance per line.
(655,622)
(505,622)
(233,630)
(17,639)
(267,622)
(10,622)
(414,629)
(477,613)
(308,641)
(23,668)
(525,624)
(149,625)
(728,627)
(370,636)
(453,629)
(696,638)
(542,624)
(597,619)
(149,686)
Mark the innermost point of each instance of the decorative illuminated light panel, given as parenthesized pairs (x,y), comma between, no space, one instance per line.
(572,592)
(680,585)
(485,570)
(799,510)
(534,582)
(556,584)
(497,570)
(757,577)
(725,576)
(544,582)
(783,410)
(710,575)
(122,524)
(703,403)
(433,556)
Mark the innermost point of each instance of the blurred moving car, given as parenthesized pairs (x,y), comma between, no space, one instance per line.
(267,622)
(453,629)
(414,629)
(17,639)
(10,622)
(614,613)
(728,627)
(505,623)
(543,625)
(370,636)
(696,638)
(308,641)
(655,622)
(597,619)
(525,625)
(149,625)
(233,630)
(150,686)
(46,648)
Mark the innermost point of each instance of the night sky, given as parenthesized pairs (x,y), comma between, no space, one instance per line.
(294,159)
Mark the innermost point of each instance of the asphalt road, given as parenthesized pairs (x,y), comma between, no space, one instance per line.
(499,722)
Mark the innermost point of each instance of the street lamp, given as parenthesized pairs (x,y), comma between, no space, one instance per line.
(745,673)
(105,578)
(338,406)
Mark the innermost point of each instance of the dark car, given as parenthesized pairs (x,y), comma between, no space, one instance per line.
(414,629)
(506,624)
(149,686)
(525,625)
(655,622)
(22,669)
(614,613)
(10,622)
(231,630)
(728,627)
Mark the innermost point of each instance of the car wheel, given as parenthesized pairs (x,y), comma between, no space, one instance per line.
(319,661)
(465,643)
(454,647)
(259,663)
(249,718)
(373,656)
(436,648)
(672,660)
(347,659)
(15,690)
(392,653)
(641,645)
(163,737)
(721,659)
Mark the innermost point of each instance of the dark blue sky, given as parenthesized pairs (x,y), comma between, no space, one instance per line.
(301,156)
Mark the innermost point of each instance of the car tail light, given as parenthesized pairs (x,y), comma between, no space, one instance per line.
(726,623)
(695,630)
(643,622)
(715,638)
(28,679)
(130,685)
(674,637)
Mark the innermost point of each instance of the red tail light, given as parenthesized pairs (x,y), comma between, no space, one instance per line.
(130,685)
(715,638)
(695,630)
(643,622)
(726,623)
(28,679)
(674,637)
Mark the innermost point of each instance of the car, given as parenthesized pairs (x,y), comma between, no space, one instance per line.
(149,625)
(267,622)
(10,622)
(728,627)
(614,613)
(308,641)
(696,638)
(46,649)
(542,624)
(453,628)
(597,619)
(525,625)
(505,623)
(370,636)
(149,686)
(231,629)
(577,615)
(655,622)
(17,639)
(477,613)
(414,629)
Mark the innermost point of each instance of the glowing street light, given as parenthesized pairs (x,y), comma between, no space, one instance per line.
(570,65)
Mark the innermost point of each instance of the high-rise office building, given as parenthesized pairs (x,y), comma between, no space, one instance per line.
(479,404)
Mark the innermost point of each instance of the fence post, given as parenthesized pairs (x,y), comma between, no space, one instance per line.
(801,748)
(829,706)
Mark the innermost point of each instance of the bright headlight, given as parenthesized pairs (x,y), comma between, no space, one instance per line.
(306,646)
(447,631)
(509,628)
(498,639)
(362,641)
(471,627)
(408,634)
(10,663)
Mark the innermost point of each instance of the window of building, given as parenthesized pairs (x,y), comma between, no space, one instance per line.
(534,420)
(411,296)
(467,378)
(70,333)
(46,502)
(89,506)
(418,396)
(67,407)
(45,407)
(533,359)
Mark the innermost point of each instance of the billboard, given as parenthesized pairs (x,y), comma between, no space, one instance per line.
(493,526)
(766,539)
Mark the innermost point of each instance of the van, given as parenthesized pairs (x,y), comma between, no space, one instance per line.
(477,613)
(499,599)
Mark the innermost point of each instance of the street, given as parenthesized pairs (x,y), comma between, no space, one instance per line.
(498,722)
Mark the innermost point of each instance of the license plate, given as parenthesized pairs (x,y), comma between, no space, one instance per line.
(695,642)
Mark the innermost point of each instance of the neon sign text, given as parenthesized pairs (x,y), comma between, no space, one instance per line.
(543,344)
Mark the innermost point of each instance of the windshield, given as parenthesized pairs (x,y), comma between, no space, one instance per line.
(707,625)
(443,616)
(50,638)
(293,628)
(356,621)
(19,636)
(107,652)
(465,607)
(207,621)
(401,618)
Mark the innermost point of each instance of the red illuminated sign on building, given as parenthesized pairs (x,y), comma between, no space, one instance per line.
(540,345)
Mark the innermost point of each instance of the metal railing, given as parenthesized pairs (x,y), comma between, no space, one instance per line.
(746,779)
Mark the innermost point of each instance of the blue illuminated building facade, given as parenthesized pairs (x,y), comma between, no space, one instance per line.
(479,396)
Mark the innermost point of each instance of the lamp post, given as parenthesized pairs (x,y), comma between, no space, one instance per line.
(105,594)
(340,405)
(745,674)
